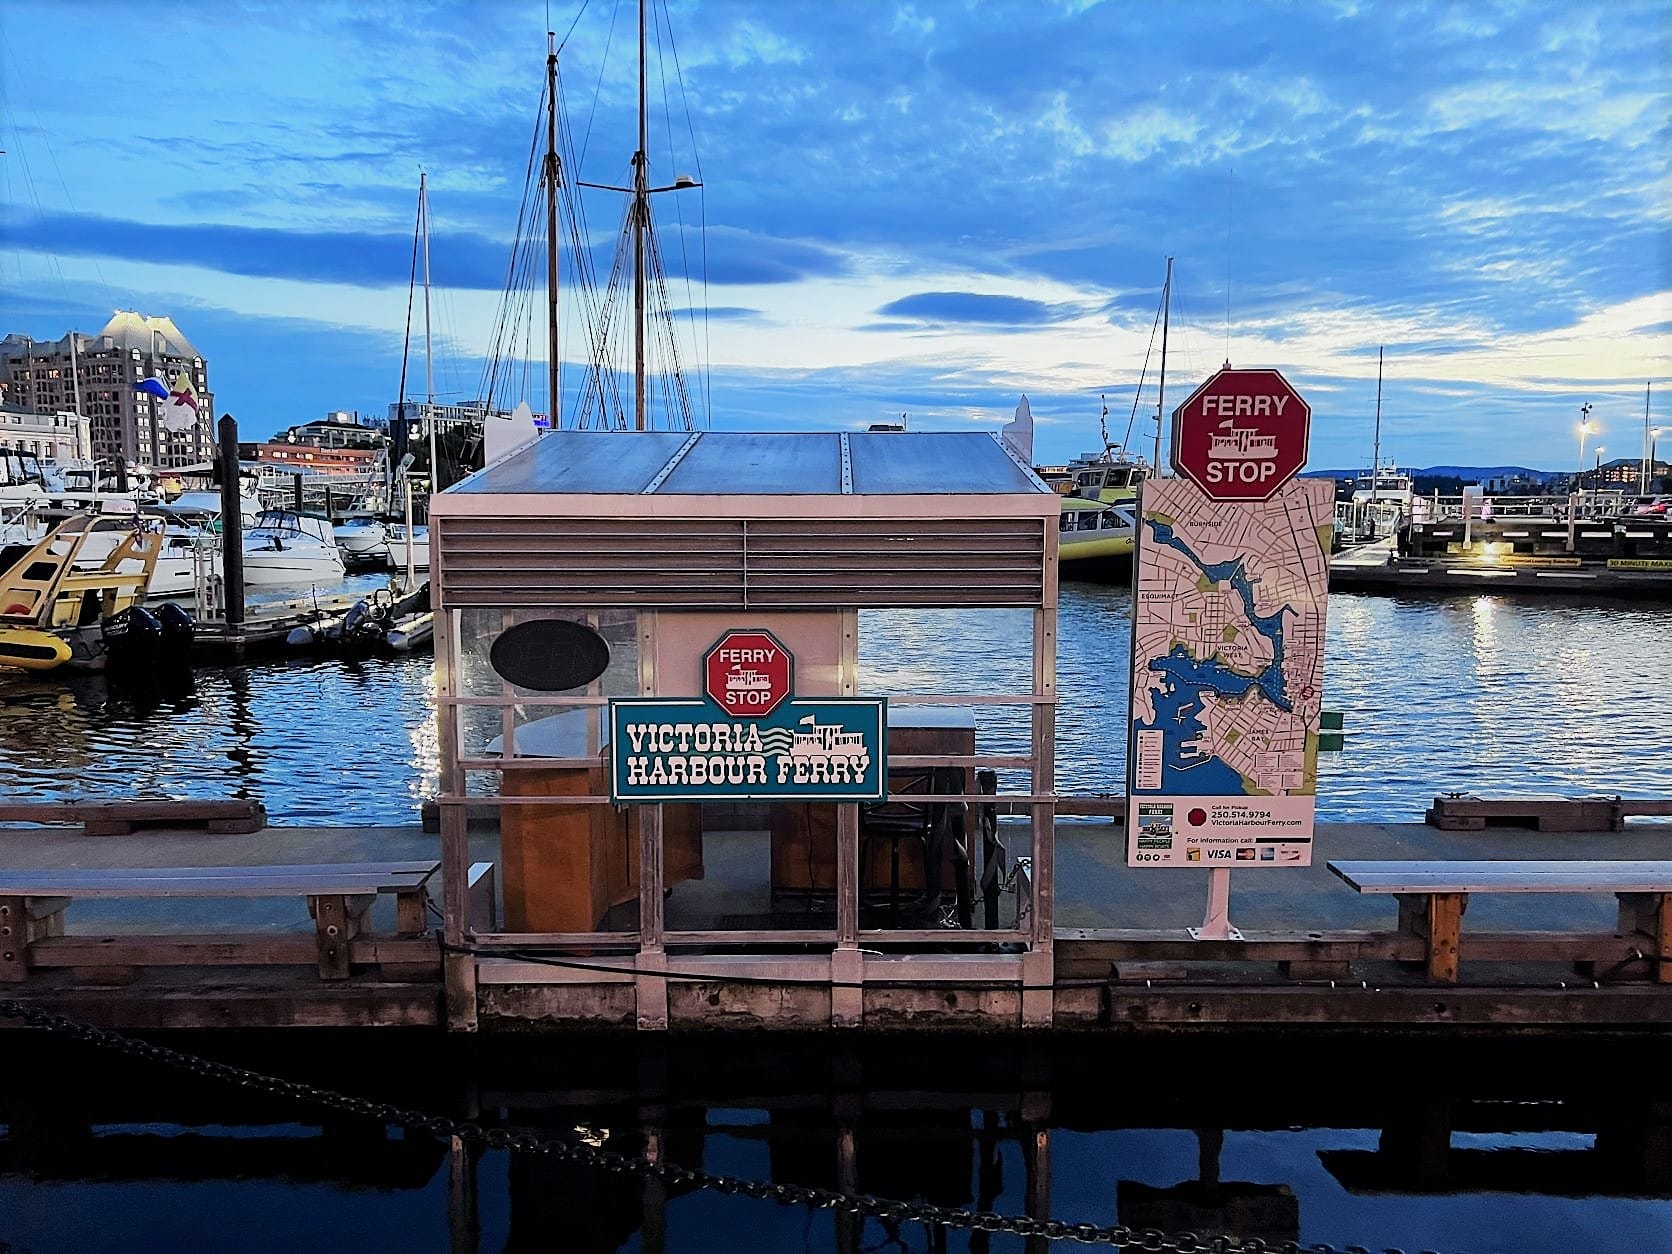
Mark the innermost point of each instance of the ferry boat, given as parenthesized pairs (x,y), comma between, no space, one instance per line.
(1096,538)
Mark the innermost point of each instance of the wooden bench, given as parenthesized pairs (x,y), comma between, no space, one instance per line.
(122,818)
(32,904)
(1433,895)
(1463,812)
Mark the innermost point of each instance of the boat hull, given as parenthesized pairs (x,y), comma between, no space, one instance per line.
(29,649)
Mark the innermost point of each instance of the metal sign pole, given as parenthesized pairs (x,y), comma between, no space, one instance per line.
(1216,922)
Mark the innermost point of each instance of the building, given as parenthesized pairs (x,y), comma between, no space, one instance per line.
(95,375)
(319,460)
(60,436)
(340,428)
(1621,474)
(446,416)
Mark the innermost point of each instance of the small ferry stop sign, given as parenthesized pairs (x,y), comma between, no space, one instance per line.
(1241,435)
(747,673)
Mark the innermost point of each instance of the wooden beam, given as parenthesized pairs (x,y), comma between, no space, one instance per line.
(14,940)
(1445,923)
(232,949)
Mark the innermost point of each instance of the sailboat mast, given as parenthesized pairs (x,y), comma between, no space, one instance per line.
(641,214)
(1161,388)
(552,173)
(1376,447)
(429,364)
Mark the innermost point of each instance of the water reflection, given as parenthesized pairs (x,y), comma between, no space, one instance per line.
(1489,694)
(1282,1139)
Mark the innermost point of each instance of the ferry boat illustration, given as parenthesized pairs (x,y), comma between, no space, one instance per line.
(827,740)
(1241,442)
(747,681)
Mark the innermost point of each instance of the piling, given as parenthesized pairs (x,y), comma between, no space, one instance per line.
(232,522)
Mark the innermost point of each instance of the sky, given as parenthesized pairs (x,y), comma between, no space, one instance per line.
(925,209)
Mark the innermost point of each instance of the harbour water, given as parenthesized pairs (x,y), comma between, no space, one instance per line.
(1479,694)
(1450,1145)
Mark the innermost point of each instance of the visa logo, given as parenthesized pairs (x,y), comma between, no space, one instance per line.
(1221,855)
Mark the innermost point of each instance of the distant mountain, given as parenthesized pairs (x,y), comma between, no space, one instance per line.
(1443,472)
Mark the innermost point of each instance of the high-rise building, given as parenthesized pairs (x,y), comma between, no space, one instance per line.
(95,375)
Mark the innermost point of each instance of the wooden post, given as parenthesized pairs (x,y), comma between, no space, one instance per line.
(1445,924)
(232,524)
(651,987)
(332,934)
(847,964)
(14,940)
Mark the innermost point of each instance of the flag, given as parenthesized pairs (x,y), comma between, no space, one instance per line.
(153,387)
(179,411)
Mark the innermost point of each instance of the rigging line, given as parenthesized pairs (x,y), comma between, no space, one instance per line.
(572,25)
(1230,190)
(598,87)
(406,342)
(1126,439)
(679,211)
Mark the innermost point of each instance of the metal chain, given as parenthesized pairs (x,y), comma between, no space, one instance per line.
(1118,1236)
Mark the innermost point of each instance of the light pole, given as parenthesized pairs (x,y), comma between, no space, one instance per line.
(1596,478)
(1586,427)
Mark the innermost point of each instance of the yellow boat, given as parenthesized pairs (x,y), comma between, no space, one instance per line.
(53,615)
(1095,538)
(32,650)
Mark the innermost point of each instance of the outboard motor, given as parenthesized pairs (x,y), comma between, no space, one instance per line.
(178,632)
(132,639)
(357,620)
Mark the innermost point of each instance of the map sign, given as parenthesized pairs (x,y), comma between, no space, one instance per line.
(808,749)
(1227,675)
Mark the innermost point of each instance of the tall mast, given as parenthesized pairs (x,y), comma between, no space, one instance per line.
(1643,488)
(1161,388)
(1376,448)
(551,175)
(429,364)
(641,214)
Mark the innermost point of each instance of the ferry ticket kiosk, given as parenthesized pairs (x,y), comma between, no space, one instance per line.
(661,796)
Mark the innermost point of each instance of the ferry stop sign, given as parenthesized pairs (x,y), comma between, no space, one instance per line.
(1241,435)
(747,673)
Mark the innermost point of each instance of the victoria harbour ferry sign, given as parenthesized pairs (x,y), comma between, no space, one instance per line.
(749,737)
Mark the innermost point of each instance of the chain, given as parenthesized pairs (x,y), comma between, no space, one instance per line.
(1117,1236)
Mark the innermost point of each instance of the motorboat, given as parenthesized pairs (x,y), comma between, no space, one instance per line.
(285,547)
(400,544)
(362,539)
(1095,538)
(54,614)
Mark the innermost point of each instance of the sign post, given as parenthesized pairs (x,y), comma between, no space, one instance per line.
(1230,576)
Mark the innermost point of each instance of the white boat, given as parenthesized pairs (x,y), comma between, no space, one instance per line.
(419,544)
(285,547)
(361,539)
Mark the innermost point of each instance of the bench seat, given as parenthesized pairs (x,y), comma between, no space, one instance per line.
(338,897)
(1434,893)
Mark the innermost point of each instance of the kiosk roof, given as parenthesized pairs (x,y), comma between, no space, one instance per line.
(730,463)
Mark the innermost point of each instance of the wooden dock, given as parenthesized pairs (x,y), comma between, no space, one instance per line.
(283,928)
(265,626)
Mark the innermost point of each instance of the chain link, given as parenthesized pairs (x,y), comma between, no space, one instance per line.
(1118,1236)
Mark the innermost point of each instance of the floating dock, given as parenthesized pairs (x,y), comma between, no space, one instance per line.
(187,928)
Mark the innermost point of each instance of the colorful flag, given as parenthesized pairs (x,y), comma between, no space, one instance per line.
(179,411)
(153,387)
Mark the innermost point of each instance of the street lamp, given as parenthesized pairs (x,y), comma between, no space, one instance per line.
(1586,428)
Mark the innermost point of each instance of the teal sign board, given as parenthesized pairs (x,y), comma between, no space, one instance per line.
(812,749)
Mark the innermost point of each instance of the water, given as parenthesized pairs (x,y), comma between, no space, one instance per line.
(1450,1145)
(1481,694)
(1509,1145)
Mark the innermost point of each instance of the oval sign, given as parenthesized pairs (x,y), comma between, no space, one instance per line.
(549,655)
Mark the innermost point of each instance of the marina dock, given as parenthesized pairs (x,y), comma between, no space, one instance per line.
(1311,950)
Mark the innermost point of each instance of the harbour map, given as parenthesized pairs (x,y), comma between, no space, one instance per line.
(1227,679)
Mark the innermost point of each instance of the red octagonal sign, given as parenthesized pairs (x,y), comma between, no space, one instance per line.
(747,673)
(1241,435)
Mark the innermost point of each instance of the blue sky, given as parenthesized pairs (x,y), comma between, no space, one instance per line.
(923,208)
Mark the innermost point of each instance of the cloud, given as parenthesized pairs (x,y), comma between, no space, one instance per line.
(976,307)
(361,258)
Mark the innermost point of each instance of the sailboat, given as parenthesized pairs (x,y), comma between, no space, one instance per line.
(1098,528)
(623,315)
